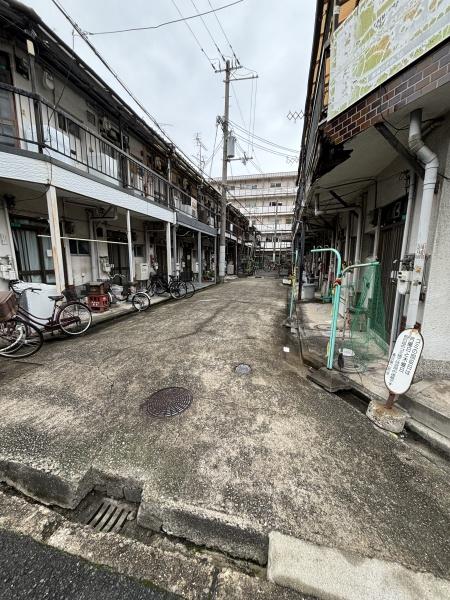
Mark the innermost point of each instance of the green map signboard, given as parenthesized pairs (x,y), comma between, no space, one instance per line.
(379,39)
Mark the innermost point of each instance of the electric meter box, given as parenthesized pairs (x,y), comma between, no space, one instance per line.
(142,271)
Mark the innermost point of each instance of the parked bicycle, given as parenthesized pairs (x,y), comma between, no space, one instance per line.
(119,291)
(71,317)
(18,339)
(176,288)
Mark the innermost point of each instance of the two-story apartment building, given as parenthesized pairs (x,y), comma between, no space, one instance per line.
(87,187)
(269,200)
(374,173)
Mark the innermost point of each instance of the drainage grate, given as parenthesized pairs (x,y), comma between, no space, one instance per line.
(243,369)
(168,402)
(110,516)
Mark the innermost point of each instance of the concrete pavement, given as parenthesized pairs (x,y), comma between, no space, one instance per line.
(254,453)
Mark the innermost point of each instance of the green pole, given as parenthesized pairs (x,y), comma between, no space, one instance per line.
(335,305)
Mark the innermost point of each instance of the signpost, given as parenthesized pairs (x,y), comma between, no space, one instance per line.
(398,378)
(403,363)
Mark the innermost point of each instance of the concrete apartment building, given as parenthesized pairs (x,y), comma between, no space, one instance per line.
(268,200)
(87,187)
(374,172)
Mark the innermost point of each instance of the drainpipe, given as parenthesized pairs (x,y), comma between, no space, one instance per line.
(431,163)
(130,247)
(405,241)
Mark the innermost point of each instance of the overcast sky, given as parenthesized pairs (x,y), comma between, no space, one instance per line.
(167,71)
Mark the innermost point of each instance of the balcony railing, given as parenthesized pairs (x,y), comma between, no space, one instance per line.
(36,126)
(262,210)
(281,227)
(258,192)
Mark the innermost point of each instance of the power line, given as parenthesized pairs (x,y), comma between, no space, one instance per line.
(213,10)
(194,36)
(265,149)
(224,34)
(209,32)
(264,140)
(124,86)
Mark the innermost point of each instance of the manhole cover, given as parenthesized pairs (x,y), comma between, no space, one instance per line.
(243,369)
(168,402)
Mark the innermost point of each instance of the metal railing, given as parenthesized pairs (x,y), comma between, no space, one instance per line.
(36,126)
(259,210)
(258,192)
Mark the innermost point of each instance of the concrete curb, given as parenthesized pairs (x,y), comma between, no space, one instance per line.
(193,575)
(333,574)
(204,527)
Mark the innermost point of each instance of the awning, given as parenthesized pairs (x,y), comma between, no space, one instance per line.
(187,221)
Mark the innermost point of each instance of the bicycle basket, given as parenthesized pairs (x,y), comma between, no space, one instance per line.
(8,305)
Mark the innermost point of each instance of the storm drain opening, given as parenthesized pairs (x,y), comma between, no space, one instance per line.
(168,402)
(243,369)
(110,515)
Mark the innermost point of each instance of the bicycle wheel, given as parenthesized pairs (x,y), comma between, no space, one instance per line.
(30,344)
(141,301)
(190,289)
(150,288)
(160,288)
(74,318)
(12,333)
(177,290)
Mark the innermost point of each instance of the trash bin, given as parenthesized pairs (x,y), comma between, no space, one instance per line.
(308,291)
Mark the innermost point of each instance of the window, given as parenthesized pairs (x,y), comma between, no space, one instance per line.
(80,247)
(90,116)
(254,186)
(139,250)
(68,126)
(275,184)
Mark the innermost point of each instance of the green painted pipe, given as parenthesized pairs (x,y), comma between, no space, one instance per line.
(335,306)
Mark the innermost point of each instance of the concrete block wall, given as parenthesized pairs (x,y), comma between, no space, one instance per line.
(415,81)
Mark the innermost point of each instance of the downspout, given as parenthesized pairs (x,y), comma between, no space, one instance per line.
(405,241)
(431,163)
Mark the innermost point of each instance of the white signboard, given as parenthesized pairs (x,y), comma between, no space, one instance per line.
(403,362)
(379,39)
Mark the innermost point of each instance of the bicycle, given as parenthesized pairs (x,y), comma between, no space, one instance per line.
(140,300)
(174,287)
(72,317)
(17,338)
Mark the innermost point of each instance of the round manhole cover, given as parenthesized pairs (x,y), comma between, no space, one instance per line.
(243,369)
(168,402)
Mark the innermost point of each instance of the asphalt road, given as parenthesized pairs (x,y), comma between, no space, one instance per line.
(31,571)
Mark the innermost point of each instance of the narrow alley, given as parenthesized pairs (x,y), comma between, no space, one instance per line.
(253,453)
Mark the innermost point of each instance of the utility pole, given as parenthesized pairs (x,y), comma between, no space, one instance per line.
(225,128)
(223,220)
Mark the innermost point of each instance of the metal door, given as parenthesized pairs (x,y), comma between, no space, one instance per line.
(390,250)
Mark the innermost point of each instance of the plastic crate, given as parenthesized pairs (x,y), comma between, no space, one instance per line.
(98,302)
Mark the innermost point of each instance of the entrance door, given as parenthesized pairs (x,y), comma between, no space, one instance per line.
(118,256)
(390,250)
(34,255)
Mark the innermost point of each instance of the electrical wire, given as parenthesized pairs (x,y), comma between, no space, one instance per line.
(166,137)
(208,31)
(194,36)
(261,139)
(224,34)
(265,149)
(146,28)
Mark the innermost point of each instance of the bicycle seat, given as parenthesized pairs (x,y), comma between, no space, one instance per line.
(55,298)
